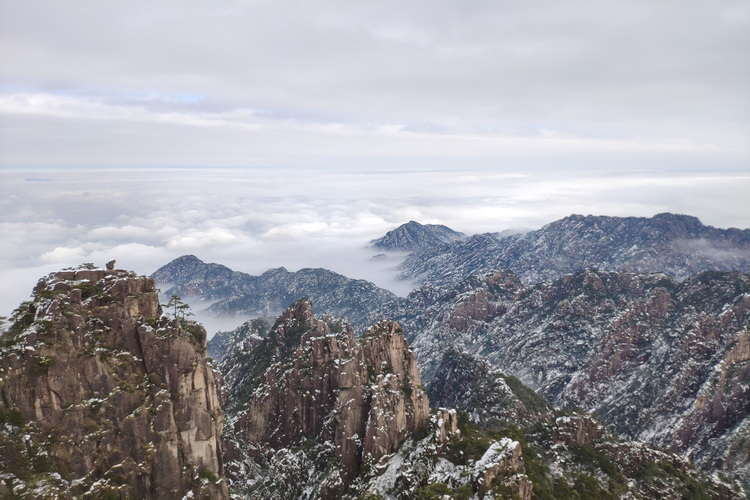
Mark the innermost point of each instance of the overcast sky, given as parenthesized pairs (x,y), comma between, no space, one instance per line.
(342,119)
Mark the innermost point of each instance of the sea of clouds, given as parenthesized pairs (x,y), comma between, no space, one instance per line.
(252,219)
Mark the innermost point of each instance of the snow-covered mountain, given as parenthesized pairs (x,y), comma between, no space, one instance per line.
(661,360)
(413,236)
(677,245)
(314,410)
(322,414)
(655,342)
(235,293)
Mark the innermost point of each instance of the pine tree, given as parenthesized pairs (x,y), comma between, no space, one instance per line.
(178,308)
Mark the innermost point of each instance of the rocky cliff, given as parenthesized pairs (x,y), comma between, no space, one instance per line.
(234,293)
(313,382)
(556,453)
(101,396)
(677,245)
(661,360)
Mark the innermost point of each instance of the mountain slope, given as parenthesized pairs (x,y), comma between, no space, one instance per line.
(414,236)
(678,245)
(103,397)
(663,361)
(241,338)
(241,294)
(488,396)
(325,415)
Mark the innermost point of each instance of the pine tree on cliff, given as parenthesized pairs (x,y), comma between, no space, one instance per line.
(179,309)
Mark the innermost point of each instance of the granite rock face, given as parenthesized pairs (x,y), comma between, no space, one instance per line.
(327,415)
(102,396)
(319,383)
(496,446)
(484,393)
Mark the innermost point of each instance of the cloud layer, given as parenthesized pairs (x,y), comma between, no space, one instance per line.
(261,82)
(256,218)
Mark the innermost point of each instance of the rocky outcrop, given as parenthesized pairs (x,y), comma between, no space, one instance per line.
(677,245)
(103,397)
(503,458)
(577,429)
(232,293)
(446,425)
(314,381)
(413,236)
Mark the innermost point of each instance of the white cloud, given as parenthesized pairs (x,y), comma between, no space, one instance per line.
(254,219)
(194,239)
(62,255)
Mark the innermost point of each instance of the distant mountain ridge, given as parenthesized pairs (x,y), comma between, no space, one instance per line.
(240,294)
(678,245)
(414,236)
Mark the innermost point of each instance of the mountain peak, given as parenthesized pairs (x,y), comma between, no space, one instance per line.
(364,395)
(92,354)
(188,259)
(413,236)
(683,218)
(188,268)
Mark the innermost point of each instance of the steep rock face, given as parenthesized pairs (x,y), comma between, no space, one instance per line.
(662,361)
(413,236)
(677,245)
(486,395)
(319,383)
(239,294)
(104,396)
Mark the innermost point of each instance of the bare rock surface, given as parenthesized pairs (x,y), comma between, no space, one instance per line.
(331,416)
(102,396)
(319,383)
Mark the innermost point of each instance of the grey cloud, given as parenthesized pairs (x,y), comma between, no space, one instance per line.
(641,71)
(349,118)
